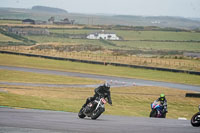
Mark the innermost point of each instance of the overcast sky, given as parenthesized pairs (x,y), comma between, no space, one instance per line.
(183,8)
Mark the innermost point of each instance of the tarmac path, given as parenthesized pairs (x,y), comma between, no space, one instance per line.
(41,121)
(115,81)
(14,120)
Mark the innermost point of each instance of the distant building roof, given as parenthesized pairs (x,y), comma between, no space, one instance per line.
(51,19)
(28,20)
(192,54)
(103,35)
(102,32)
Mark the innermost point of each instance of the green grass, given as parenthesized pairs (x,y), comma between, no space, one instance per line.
(148,45)
(10,22)
(29,77)
(13,60)
(67,41)
(71,31)
(158,35)
(139,35)
(128,45)
(4,38)
(127,101)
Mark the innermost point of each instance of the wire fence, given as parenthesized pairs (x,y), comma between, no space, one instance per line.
(108,58)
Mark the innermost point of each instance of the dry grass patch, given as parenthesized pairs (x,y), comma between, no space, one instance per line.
(104,56)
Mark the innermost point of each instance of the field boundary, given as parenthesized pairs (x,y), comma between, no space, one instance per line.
(102,63)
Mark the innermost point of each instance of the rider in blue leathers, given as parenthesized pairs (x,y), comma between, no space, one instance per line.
(163,102)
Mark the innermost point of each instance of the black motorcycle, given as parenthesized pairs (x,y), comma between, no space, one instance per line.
(195,120)
(93,109)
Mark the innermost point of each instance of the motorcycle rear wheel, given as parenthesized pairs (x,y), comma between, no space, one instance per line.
(195,120)
(97,113)
(163,115)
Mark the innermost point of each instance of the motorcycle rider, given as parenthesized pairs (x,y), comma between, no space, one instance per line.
(103,90)
(163,102)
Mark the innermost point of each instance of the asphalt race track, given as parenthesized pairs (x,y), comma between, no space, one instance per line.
(14,120)
(40,121)
(116,81)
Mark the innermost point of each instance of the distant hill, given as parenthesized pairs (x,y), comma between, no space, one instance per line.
(48,9)
(161,21)
(44,13)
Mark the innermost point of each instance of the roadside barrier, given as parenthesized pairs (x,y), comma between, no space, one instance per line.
(197,95)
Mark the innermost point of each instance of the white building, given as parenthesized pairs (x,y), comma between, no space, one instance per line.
(103,35)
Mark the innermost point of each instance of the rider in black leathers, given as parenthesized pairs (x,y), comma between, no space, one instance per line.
(104,91)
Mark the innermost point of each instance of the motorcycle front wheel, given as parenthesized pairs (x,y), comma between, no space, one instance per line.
(195,121)
(80,114)
(153,113)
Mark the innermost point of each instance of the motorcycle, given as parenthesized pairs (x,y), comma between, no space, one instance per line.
(195,120)
(93,109)
(156,110)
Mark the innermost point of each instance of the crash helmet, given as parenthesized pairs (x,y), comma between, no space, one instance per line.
(106,86)
(162,97)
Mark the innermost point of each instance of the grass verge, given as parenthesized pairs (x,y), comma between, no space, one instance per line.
(32,62)
(29,77)
(127,101)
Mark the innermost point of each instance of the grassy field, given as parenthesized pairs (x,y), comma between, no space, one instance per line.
(169,46)
(41,26)
(138,35)
(13,60)
(158,35)
(72,31)
(133,40)
(64,41)
(4,38)
(98,53)
(29,77)
(147,48)
(127,101)
(10,22)
(128,45)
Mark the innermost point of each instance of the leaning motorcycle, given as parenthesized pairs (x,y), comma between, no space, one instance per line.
(156,110)
(195,120)
(93,109)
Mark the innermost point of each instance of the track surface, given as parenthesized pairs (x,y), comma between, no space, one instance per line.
(116,81)
(40,121)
